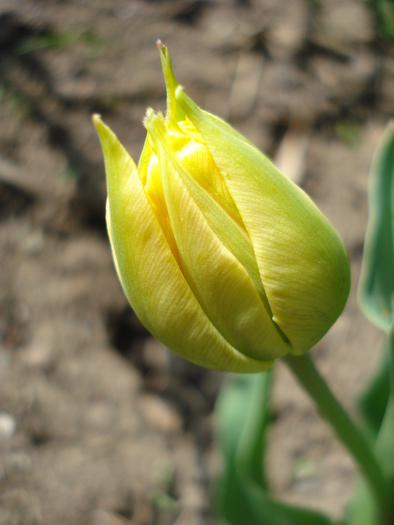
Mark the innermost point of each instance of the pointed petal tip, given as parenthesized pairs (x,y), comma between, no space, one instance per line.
(98,123)
(96,118)
(152,118)
(163,50)
(104,132)
(160,46)
(149,117)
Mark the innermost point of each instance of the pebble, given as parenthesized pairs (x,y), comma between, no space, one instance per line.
(7,425)
(38,356)
(160,415)
(288,31)
(102,517)
(342,25)
(40,353)
(33,243)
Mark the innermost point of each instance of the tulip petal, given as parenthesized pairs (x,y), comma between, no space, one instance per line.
(223,218)
(302,261)
(171,83)
(220,283)
(149,273)
(196,159)
(221,221)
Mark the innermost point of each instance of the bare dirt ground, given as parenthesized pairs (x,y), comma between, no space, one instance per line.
(99,424)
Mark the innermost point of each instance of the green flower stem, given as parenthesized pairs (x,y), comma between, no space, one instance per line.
(330,408)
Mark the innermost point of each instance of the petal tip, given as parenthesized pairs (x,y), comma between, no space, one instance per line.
(96,119)
(99,124)
(160,46)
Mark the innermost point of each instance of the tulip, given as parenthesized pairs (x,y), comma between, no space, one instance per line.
(222,258)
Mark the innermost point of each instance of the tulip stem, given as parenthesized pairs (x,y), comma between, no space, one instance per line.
(350,435)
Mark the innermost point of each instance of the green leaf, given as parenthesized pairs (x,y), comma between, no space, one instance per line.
(362,510)
(376,300)
(243,414)
(376,286)
(384,447)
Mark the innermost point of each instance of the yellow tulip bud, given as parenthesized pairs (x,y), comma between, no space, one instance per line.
(223,259)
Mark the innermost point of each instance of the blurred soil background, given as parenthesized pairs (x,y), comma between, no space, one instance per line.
(100,424)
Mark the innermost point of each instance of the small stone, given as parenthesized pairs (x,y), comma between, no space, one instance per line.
(38,356)
(7,425)
(287,32)
(160,415)
(102,517)
(343,25)
(33,243)
(99,416)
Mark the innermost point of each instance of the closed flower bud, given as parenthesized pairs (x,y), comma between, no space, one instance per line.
(223,259)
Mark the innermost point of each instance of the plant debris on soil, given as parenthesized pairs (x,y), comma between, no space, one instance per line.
(99,423)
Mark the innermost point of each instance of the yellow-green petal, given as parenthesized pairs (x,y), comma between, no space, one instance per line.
(220,283)
(149,273)
(173,108)
(302,261)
